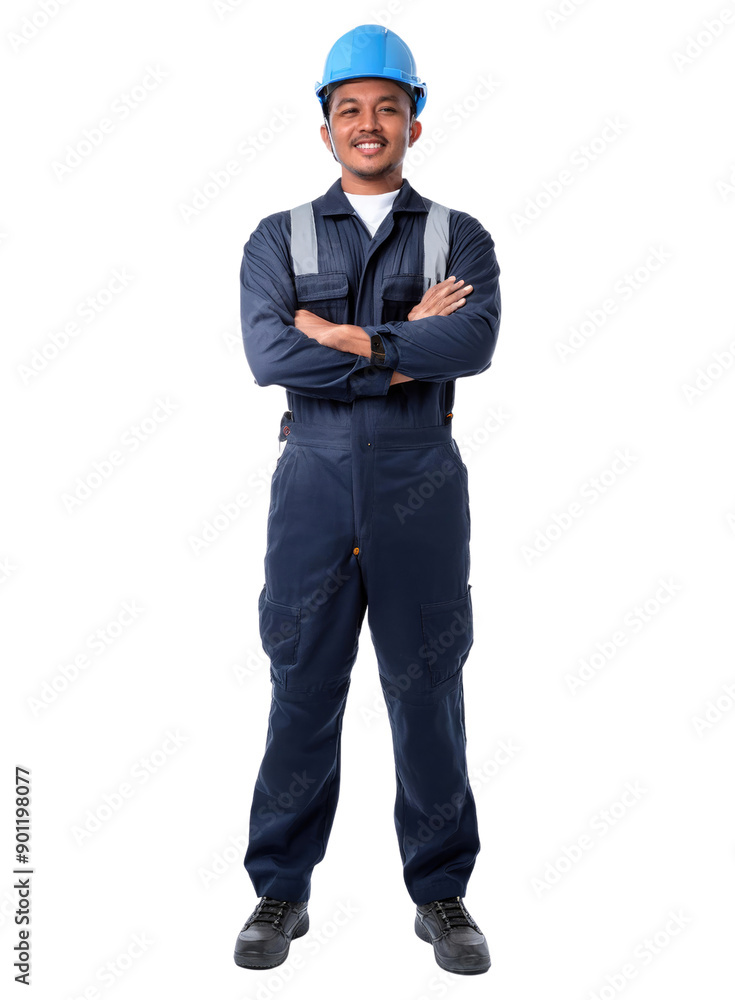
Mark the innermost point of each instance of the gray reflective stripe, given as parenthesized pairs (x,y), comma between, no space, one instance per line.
(436,245)
(303,240)
(436,242)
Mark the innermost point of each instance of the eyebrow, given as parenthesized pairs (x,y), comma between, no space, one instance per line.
(354,100)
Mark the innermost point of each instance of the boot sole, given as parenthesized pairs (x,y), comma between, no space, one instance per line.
(255,961)
(422,932)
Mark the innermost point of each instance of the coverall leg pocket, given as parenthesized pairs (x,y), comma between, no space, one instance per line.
(447,630)
(280,627)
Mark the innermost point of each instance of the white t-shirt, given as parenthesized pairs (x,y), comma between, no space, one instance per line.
(372,208)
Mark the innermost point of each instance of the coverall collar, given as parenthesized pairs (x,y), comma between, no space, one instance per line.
(335,202)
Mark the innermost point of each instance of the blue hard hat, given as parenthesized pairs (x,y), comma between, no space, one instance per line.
(374,51)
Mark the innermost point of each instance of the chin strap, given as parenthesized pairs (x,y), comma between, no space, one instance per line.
(329,133)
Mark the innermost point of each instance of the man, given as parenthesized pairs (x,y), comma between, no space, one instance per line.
(366,305)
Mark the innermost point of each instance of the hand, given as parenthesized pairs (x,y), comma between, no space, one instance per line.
(340,337)
(316,327)
(441,299)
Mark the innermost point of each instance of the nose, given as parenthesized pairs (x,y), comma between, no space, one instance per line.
(367,120)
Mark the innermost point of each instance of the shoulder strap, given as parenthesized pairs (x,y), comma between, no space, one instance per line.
(304,253)
(303,240)
(436,245)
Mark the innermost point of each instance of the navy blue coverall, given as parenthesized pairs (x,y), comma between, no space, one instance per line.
(369,509)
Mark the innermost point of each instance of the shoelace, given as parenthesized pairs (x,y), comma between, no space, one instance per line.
(265,914)
(454,914)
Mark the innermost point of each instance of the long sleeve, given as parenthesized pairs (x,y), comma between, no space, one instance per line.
(279,353)
(440,348)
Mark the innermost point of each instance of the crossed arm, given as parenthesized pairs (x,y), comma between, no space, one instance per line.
(441,299)
(302,352)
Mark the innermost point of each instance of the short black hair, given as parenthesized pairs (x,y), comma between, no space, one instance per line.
(328,100)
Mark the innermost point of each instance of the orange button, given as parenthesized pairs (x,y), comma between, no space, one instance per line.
(355,551)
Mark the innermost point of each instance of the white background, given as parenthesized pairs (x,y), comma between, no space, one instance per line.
(166,863)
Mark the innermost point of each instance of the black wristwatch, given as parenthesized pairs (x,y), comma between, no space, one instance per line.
(377,350)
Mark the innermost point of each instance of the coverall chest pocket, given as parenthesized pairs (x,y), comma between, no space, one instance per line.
(400,293)
(327,294)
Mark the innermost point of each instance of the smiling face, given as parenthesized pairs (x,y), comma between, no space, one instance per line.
(371,125)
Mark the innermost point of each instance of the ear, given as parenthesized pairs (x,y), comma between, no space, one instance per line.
(414,132)
(325,138)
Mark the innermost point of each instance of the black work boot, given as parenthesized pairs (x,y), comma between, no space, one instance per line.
(459,944)
(266,937)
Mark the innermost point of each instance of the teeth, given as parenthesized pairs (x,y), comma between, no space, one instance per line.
(369,145)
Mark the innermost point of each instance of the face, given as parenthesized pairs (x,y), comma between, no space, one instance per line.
(371,126)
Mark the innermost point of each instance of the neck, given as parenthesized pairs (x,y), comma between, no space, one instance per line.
(371,185)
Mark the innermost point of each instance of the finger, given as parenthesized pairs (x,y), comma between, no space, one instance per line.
(443,295)
(449,297)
